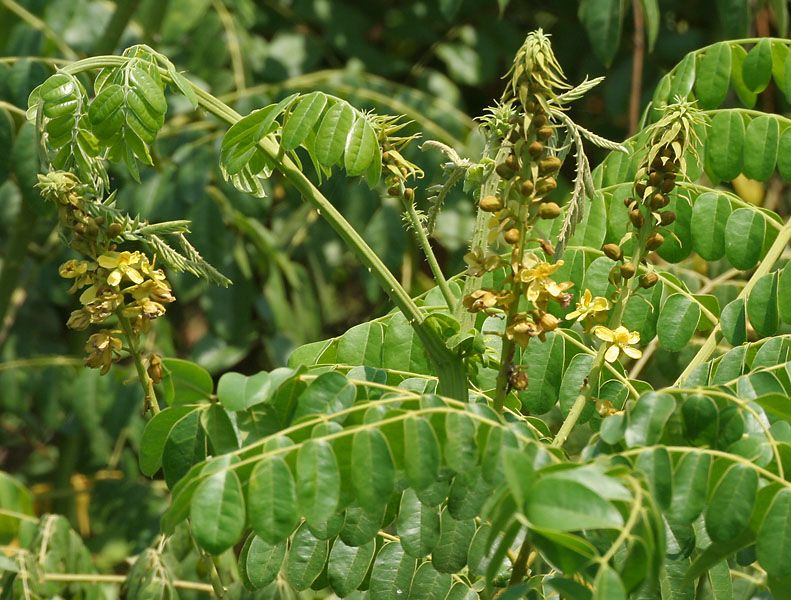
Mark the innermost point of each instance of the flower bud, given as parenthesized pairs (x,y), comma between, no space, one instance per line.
(512,235)
(490,204)
(114,230)
(549,165)
(654,241)
(518,380)
(667,217)
(659,201)
(548,322)
(648,280)
(526,188)
(636,217)
(667,185)
(511,162)
(504,171)
(546,185)
(627,270)
(639,189)
(409,194)
(535,149)
(654,178)
(539,120)
(549,210)
(155,368)
(612,251)
(544,133)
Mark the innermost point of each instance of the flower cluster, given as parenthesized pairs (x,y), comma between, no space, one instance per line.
(124,286)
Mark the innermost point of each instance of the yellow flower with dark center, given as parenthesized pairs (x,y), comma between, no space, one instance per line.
(620,340)
(122,264)
(588,306)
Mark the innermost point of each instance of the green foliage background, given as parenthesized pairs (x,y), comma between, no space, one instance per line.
(74,438)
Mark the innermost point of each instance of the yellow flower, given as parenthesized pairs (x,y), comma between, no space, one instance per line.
(122,264)
(101,348)
(72,269)
(620,340)
(588,305)
(537,274)
(522,329)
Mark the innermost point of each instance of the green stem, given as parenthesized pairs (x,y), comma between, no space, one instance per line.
(450,368)
(433,264)
(708,347)
(99,579)
(150,397)
(582,399)
(519,569)
(14,257)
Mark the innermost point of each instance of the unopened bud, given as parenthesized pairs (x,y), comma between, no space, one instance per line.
(654,178)
(546,185)
(155,368)
(490,204)
(636,217)
(526,188)
(548,322)
(512,235)
(627,270)
(659,201)
(114,230)
(511,162)
(539,120)
(504,171)
(535,149)
(548,165)
(667,217)
(518,380)
(409,194)
(654,241)
(612,251)
(549,210)
(648,280)
(544,133)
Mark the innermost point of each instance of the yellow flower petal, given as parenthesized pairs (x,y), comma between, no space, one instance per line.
(612,354)
(632,352)
(108,261)
(134,275)
(114,278)
(634,337)
(601,332)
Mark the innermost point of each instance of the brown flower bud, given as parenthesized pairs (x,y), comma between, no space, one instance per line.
(394,190)
(654,241)
(667,185)
(544,133)
(99,220)
(548,322)
(648,280)
(547,247)
(548,165)
(636,217)
(667,217)
(504,171)
(490,204)
(535,149)
(539,120)
(409,194)
(639,189)
(627,202)
(659,201)
(546,185)
(612,251)
(512,235)
(114,230)
(549,210)
(526,188)
(654,178)
(627,270)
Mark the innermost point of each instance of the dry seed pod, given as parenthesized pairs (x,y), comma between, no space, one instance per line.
(512,235)
(549,210)
(667,217)
(612,251)
(627,270)
(526,188)
(490,204)
(648,280)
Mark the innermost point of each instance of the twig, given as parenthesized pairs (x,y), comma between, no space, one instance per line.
(98,579)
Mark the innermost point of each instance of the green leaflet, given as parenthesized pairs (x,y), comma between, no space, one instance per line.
(724,145)
(184,382)
(417,525)
(461,453)
(401,349)
(762,305)
(757,67)
(656,467)
(362,148)
(185,447)
(690,480)
(302,118)
(565,505)
(760,147)
(238,392)
(731,504)
(774,536)
(327,394)
(646,421)
(392,573)
(429,584)
(217,511)
(348,565)
(372,470)
(260,562)
(683,78)
(678,320)
(733,322)
(744,237)
(784,293)
(272,500)
(362,345)
(332,133)
(155,435)
(544,362)
(710,213)
(360,526)
(306,558)
(219,430)
(713,75)
(745,94)
(450,551)
(318,481)
(421,452)
(608,585)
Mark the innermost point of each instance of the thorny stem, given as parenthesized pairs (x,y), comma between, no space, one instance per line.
(150,397)
(775,251)
(431,258)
